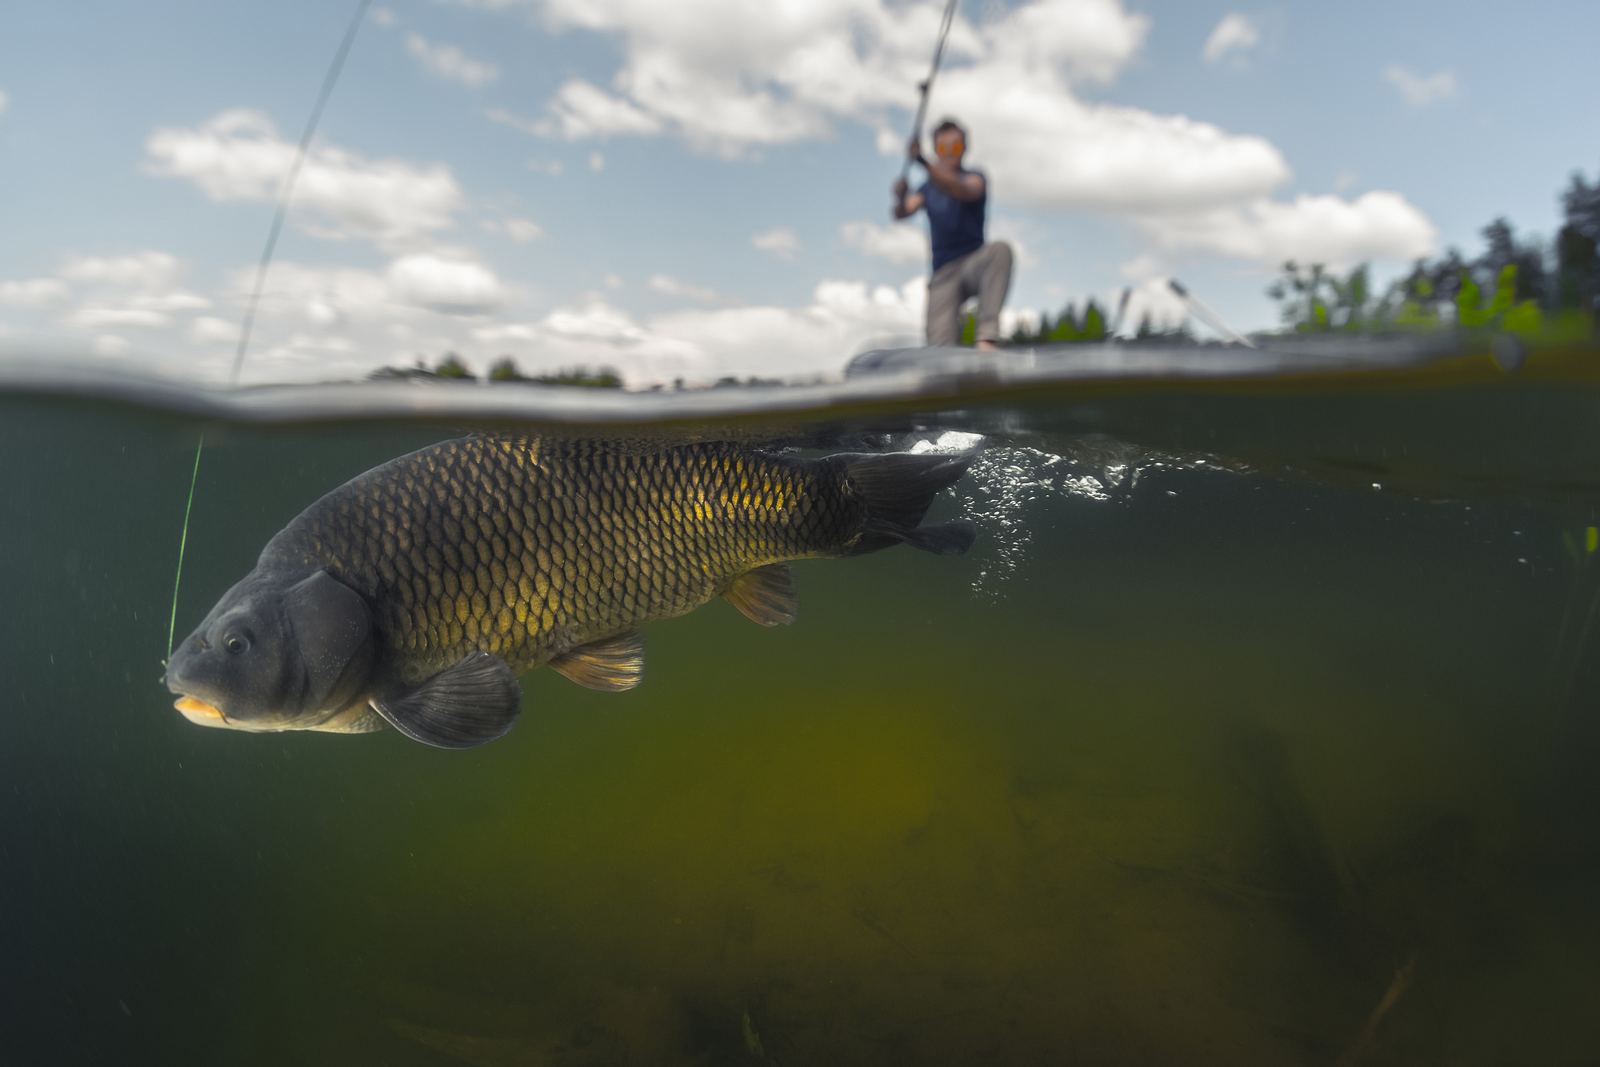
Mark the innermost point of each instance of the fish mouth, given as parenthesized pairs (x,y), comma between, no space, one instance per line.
(199,712)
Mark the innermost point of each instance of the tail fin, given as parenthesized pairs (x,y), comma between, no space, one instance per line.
(897,489)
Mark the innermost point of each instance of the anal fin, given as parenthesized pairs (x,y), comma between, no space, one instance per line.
(471,703)
(611,665)
(765,595)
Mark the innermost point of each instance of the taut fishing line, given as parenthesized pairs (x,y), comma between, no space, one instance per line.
(248,324)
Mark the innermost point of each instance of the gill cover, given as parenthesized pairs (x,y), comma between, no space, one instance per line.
(332,628)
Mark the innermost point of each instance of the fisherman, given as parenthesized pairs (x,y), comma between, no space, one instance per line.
(956,199)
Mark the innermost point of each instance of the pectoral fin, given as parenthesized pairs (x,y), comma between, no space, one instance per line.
(612,665)
(471,703)
(765,595)
(942,538)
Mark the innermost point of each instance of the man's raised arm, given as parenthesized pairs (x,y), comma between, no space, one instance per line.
(906,203)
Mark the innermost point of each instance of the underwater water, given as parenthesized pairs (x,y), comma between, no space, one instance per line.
(1260,725)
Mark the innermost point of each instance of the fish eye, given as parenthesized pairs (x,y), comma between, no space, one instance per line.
(235,643)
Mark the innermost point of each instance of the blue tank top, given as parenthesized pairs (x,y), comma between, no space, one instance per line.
(955,226)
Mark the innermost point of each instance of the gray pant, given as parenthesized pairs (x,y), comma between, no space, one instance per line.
(985,274)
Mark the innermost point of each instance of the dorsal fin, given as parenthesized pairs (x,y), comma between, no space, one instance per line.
(765,595)
(611,665)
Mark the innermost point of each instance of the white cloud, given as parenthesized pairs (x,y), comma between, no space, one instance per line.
(1420,91)
(1235,33)
(520,230)
(208,329)
(409,292)
(109,344)
(594,321)
(551,167)
(1088,40)
(781,242)
(144,271)
(902,243)
(300,290)
(327,322)
(324,316)
(533,127)
(670,286)
(32,292)
(583,110)
(1313,229)
(702,344)
(138,290)
(843,316)
(1143,267)
(597,162)
(5,101)
(450,63)
(492,5)
(173,300)
(96,318)
(1048,149)
(382,16)
(238,155)
(773,74)
(447,285)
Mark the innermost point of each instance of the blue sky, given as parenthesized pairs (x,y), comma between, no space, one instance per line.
(701,187)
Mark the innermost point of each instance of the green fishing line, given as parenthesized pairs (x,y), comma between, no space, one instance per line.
(183,541)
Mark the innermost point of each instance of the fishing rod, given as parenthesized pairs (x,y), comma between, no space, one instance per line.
(1122,311)
(922,101)
(1206,315)
(247,325)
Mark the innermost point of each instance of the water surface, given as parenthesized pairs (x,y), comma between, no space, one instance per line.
(1258,727)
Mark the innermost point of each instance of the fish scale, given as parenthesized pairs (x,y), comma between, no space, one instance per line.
(527,547)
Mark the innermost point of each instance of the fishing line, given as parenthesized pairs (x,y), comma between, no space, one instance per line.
(183,541)
(247,326)
(1206,315)
(922,103)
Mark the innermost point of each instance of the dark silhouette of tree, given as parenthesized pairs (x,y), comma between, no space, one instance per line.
(1300,294)
(591,378)
(505,370)
(1581,205)
(1066,329)
(453,368)
(1532,274)
(1094,322)
(1577,281)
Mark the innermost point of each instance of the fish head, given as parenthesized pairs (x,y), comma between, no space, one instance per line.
(277,652)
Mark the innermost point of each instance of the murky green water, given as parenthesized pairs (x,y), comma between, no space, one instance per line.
(1235,761)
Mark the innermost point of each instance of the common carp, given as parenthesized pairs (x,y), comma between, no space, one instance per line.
(415,594)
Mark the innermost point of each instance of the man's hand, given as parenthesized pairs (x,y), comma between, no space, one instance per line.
(906,203)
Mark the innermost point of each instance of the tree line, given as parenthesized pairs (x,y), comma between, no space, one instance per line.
(451,367)
(1515,283)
